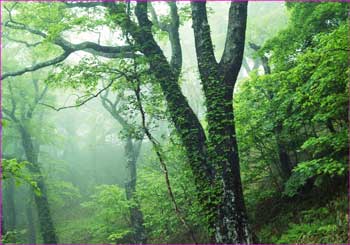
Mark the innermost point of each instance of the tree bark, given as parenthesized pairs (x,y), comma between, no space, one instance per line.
(218,81)
(136,216)
(182,115)
(230,222)
(45,219)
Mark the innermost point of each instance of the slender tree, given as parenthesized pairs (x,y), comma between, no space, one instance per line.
(132,149)
(31,148)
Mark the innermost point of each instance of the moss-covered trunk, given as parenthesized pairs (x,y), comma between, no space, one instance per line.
(218,80)
(45,219)
(214,162)
(231,223)
(185,121)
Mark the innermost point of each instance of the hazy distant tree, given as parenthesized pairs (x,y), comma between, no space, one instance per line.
(132,147)
(21,113)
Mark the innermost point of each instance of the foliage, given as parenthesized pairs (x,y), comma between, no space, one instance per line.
(319,224)
(300,108)
(160,218)
(63,194)
(306,21)
(109,208)
(11,168)
(278,109)
(89,78)
(294,116)
(10,236)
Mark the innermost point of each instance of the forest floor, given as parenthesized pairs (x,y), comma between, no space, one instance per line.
(319,215)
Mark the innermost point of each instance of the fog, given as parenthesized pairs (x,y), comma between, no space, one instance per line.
(82,148)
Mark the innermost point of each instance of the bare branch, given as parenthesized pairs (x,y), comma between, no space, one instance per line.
(155,20)
(99,50)
(254,46)
(174,37)
(13,102)
(173,31)
(90,47)
(28,45)
(38,97)
(5,117)
(137,146)
(68,47)
(111,107)
(41,96)
(81,103)
(246,65)
(9,115)
(19,26)
(263,58)
(37,66)
(96,49)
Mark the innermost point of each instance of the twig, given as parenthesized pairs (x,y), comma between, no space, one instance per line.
(81,103)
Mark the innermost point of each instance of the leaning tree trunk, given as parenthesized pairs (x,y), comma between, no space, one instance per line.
(45,220)
(185,121)
(186,124)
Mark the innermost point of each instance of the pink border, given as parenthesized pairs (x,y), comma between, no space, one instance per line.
(1,211)
(176,0)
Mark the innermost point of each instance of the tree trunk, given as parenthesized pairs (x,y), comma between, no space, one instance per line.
(131,151)
(10,218)
(45,220)
(31,224)
(284,159)
(185,121)
(218,81)
(232,223)
(230,220)
(136,216)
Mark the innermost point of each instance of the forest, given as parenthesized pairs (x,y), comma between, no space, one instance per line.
(140,122)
